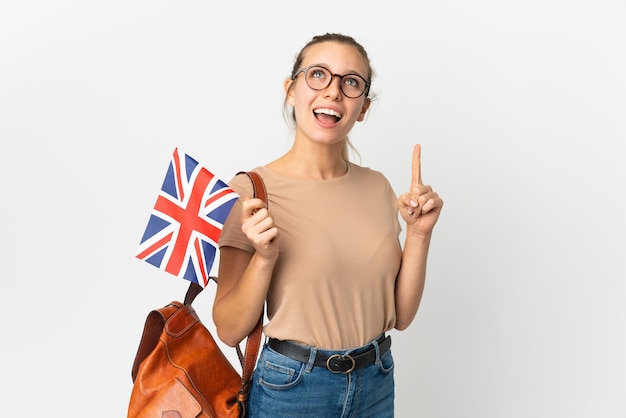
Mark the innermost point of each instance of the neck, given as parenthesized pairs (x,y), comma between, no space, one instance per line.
(320,163)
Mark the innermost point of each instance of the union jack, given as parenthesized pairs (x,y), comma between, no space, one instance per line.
(187,219)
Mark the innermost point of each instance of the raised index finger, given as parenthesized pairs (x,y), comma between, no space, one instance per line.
(416,167)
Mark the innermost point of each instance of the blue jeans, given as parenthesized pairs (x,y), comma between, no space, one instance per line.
(282,387)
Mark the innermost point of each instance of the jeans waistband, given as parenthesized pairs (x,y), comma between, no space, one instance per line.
(336,363)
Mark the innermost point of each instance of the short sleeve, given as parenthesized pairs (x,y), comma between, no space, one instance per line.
(232,235)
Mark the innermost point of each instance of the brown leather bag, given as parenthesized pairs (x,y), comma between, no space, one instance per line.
(179,370)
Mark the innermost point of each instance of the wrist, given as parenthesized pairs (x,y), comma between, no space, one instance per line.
(265,261)
(417,236)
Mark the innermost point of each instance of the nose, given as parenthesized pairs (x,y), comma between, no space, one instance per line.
(334,89)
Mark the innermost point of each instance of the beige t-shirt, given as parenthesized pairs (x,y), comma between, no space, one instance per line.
(339,255)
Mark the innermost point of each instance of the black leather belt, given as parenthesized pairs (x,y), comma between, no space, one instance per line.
(336,363)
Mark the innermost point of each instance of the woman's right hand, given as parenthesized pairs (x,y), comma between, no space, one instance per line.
(259,227)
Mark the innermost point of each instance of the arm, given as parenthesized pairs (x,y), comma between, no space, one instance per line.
(244,278)
(420,209)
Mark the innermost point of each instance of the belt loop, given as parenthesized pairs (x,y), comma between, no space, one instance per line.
(311,363)
(377,348)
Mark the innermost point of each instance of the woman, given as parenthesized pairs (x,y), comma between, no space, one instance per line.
(325,253)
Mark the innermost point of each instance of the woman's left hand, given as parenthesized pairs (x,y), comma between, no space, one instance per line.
(421,206)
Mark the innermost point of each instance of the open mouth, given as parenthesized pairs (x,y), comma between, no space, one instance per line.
(327,115)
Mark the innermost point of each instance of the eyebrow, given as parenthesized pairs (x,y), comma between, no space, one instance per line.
(350,72)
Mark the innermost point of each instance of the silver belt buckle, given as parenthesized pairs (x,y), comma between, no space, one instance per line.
(329,364)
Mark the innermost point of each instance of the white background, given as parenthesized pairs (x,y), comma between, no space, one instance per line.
(520,107)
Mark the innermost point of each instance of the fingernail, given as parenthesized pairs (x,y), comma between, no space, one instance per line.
(413,203)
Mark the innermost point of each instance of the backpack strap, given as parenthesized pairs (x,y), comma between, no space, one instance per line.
(253,342)
(258,186)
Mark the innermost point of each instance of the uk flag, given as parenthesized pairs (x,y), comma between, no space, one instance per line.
(187,219)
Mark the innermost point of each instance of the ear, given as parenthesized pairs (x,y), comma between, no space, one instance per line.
(366,105)
(288,91)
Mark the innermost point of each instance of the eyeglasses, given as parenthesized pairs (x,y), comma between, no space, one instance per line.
(318,78)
